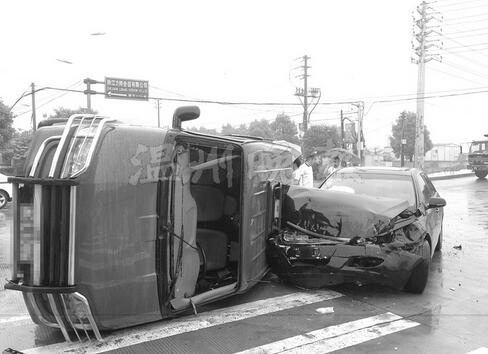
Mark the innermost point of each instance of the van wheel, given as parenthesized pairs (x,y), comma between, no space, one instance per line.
(3,199)
(481,174)
(418,279)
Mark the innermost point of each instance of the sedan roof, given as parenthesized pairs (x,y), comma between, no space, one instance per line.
(404,171)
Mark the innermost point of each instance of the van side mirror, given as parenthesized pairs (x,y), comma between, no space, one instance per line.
(182,114)
(436,203)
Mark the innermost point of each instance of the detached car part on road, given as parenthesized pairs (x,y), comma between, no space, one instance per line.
(353,230)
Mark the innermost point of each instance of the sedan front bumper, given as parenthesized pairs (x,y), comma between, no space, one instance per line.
(318,265)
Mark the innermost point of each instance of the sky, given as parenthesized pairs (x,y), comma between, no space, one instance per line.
(249,51)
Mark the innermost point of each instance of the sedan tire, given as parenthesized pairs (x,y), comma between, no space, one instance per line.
(418,279)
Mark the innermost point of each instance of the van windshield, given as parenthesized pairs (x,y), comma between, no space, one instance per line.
(479,147)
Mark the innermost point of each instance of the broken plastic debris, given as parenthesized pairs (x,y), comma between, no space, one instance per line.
(460,247)
(324,310)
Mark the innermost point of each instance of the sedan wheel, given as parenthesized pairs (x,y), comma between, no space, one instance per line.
(418,279)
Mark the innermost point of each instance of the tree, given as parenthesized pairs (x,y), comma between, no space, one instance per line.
(283,128)
(7,131)
(261,128)
(321,136)
(62,112)
(204,130)
(20,147)
(409,119)
(228,129)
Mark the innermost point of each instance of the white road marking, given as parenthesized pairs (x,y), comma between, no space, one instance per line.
(14,319)
(338,336)
(482,350)
(203,320)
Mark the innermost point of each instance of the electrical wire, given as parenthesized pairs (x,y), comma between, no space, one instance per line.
(448,23)
(440,3)
(466,70)
(465,46)
(484,14)
(454,75)
(461,9)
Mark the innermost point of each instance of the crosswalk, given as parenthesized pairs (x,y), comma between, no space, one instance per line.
(303,307)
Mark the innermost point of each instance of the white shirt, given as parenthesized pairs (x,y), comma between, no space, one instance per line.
(303,176)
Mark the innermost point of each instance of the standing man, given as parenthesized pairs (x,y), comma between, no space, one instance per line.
(303,173)
(335,166)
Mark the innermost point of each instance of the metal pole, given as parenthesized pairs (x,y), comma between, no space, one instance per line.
(360,132)
(342,130)
(419,122)
(159,121)
(402,147)
(305,94)
(88,95)
(33,91)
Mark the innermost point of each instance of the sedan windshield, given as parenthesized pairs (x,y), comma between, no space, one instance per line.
(373,184)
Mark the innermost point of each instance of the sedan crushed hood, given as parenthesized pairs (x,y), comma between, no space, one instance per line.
(340,214)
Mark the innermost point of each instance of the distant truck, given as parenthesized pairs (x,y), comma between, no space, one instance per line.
(478,157)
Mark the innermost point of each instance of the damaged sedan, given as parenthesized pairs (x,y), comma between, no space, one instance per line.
(367,225)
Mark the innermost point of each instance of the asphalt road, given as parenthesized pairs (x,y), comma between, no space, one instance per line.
(451,316)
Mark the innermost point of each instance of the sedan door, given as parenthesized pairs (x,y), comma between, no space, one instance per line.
(431,216)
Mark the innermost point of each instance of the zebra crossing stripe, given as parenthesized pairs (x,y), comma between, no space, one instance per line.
(128,337)
(482,350)
(337,337)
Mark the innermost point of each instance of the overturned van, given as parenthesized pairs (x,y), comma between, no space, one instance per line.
(117,225)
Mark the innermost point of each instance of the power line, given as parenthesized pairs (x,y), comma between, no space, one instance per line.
(448,23)
(461,9)
(456,76)
(466,70)
(484,14)
(429,95)
(463,45)
(440,3)
(466,30)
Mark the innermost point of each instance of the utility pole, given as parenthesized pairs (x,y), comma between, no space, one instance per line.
(305,96)
(34,122)
(307,92)
(403,142)
(360,135)
(342,130)
(159,107)
(88,92)
(360,141)
(424,43)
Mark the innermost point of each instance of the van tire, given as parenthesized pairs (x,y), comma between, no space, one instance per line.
(481,174)
(4,198)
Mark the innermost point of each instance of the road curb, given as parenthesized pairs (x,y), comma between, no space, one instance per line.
(459,175)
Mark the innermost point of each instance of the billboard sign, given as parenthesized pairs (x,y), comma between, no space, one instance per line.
(126,89)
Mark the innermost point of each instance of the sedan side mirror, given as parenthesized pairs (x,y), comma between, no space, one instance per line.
(435,202)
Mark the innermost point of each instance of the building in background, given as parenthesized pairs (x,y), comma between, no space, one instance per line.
(444,152)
